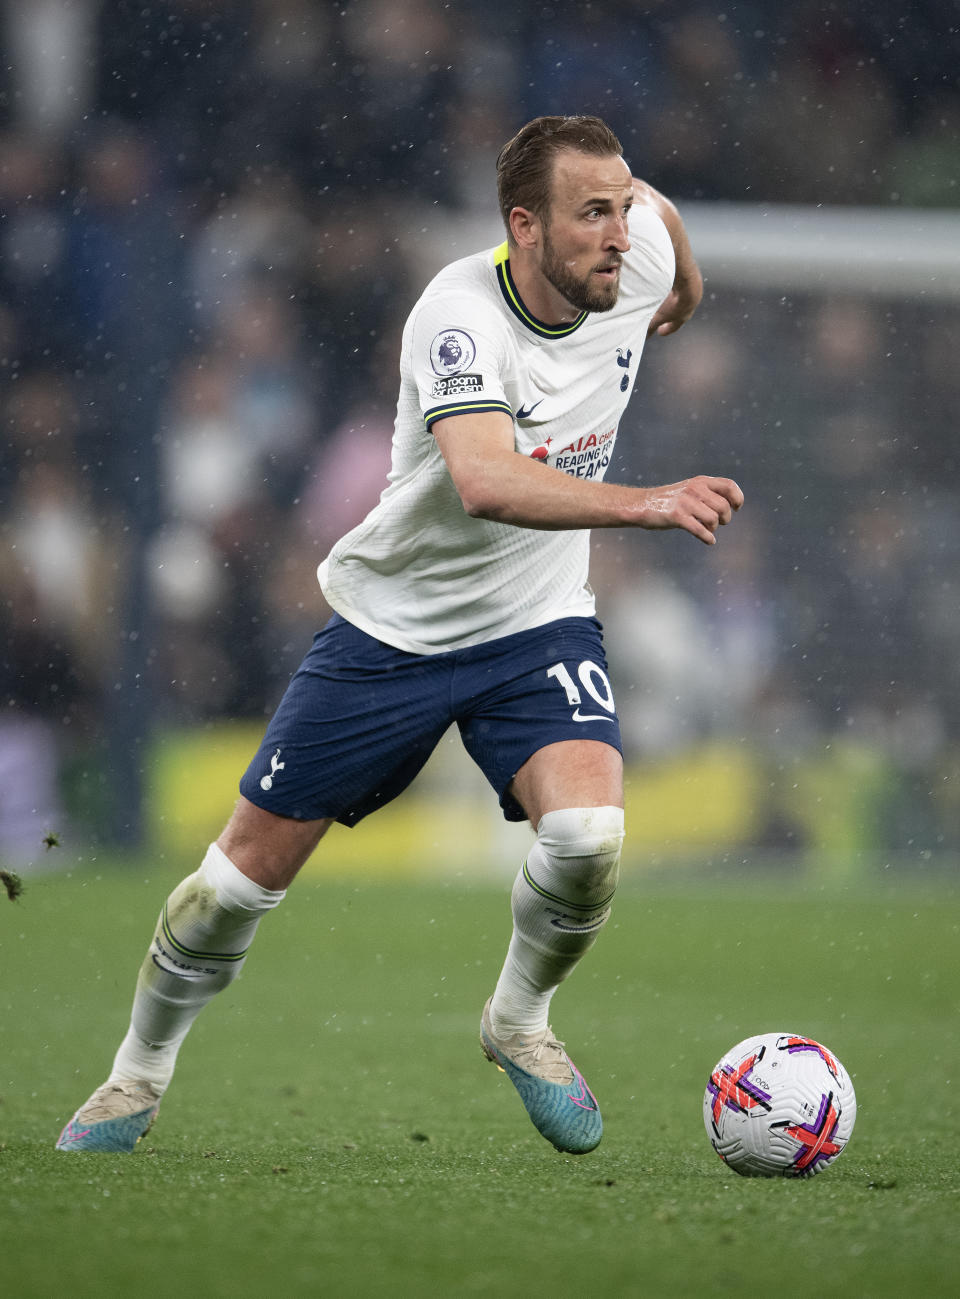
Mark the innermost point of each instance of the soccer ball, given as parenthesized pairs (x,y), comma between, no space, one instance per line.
(779,1105)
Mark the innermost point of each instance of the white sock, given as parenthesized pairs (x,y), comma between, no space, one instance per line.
(561,900)
(198,948)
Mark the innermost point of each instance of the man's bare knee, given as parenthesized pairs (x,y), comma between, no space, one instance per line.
(267,848)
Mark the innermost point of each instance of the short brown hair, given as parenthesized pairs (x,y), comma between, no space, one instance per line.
(525,164)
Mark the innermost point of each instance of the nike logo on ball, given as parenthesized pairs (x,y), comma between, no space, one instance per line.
(524,412)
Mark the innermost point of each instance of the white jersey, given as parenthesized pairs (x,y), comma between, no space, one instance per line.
(419,572)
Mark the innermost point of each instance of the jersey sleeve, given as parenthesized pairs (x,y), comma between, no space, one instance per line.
(651,262)
(458,350)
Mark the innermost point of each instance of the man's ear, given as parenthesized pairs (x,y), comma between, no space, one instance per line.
(526,228)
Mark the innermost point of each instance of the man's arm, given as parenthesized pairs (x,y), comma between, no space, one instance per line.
(684,298)
(496,482)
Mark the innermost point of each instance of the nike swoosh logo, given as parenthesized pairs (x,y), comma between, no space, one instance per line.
(524,412)
(586,928)
(586,1100)
(591,717)
(74,1136)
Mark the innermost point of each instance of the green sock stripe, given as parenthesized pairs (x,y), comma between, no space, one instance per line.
(553,897)
(197,956)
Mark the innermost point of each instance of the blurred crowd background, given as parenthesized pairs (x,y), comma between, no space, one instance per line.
(214,218)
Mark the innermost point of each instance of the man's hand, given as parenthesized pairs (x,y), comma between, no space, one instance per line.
(675,310)
(697,505)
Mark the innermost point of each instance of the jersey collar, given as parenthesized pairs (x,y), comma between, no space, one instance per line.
(501,260)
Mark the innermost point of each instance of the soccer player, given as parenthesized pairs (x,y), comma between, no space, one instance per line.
(463,597)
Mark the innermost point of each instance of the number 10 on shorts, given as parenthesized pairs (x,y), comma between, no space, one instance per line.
(594,681)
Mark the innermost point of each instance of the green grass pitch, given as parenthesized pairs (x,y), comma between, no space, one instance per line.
(334,1130)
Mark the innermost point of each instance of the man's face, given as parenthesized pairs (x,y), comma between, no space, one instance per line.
(585,229)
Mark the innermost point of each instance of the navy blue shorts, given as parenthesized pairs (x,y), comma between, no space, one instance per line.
(360,717)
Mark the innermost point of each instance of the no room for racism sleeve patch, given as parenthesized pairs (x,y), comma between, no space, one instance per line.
(457,385)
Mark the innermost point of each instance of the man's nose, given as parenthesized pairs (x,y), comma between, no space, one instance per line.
(619,235)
